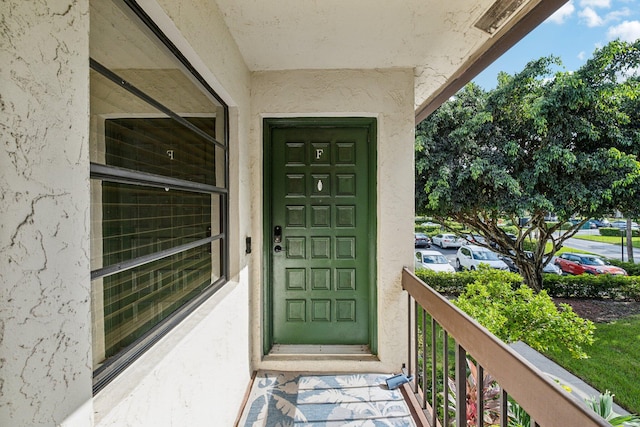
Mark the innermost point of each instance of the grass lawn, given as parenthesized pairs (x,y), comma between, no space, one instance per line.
(614,362)
(614,240)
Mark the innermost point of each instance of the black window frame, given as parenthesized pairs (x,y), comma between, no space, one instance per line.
(114,366)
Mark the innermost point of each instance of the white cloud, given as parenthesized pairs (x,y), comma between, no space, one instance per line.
(591,17)
(616,15)
(582,55)
(628,31)
(563,13)
(595,3)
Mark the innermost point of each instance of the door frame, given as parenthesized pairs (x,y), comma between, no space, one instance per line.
(268,124)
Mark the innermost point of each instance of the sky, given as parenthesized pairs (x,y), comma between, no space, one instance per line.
(572,33)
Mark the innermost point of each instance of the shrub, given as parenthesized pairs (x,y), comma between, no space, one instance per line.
(617,232)
(521,315)
(429,230)
(631,268)
(584,286)
(590,286)
(455,284)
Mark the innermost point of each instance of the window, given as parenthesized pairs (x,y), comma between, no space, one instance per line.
(159,174)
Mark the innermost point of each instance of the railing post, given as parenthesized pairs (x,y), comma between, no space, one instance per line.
(445,368)
(415,353)
(409,341)
(434,371)
(480,395)
(423,373)
(461,386)
(504,408)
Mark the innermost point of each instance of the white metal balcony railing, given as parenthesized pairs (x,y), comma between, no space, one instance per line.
(513,382)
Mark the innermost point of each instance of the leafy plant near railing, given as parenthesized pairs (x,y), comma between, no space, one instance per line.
(603,406)
(490,397)
(518,417)
(521,315)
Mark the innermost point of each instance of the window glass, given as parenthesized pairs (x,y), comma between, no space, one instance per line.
(158,149)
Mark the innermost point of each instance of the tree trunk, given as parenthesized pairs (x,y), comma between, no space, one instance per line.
(532,276)
(629,240)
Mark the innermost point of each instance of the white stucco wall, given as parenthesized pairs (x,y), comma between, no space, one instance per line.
(199,372)
(388,96)
(45,347)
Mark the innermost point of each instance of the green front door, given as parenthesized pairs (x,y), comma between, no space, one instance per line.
(320,230)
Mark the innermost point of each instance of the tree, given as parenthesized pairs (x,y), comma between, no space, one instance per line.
(540,142)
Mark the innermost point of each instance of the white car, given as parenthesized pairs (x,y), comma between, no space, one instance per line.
(433,260)
(470,257)
(447,240)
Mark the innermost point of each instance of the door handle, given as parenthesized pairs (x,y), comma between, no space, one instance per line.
(277,238)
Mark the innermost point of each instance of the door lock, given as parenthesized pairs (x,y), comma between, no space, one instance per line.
(277,234)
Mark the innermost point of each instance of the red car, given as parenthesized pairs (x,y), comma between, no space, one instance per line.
(590,264)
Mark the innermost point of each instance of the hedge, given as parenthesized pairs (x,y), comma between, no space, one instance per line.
(456,283)
(595,287)
(604,286)
(617,232)
(631,268)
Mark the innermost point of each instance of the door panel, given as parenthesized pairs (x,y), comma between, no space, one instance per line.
(320,263)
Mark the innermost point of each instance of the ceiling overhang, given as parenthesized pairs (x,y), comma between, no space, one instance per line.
(446,43)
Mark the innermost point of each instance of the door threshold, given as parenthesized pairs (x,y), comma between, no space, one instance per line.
(315,352)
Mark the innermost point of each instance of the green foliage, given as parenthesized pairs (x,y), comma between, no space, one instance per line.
(592,286)
(521,315)
(583,286)
(613,363)
(603,406)
(429,230)
(539,142)
(455,284)
(518,417)
(616,232)
(631,268)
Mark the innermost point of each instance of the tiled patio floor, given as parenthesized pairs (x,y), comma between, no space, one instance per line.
(296,399)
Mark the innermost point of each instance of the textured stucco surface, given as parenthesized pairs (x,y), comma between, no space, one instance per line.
(198,374)
(45,345)
(200,371)
(388,96)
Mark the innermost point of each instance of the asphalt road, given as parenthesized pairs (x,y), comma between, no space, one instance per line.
(603,249)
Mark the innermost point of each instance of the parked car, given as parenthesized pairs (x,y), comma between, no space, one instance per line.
(600,223)
(550,268)
(446,240)
(591,264)
(471,256)
(623,225)
(422,240)
(509,235)
(433,260)
(474,238)
(430,224)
